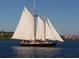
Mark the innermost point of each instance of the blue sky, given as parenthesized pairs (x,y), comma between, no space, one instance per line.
(64,14)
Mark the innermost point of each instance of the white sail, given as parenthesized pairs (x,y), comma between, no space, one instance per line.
(49,34)
(25,28)
(54,32)
(40,29)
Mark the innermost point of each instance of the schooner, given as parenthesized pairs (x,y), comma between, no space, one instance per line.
(33,30)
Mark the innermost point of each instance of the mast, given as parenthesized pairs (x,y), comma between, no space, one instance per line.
(44,29)
(34,5)
(34,13)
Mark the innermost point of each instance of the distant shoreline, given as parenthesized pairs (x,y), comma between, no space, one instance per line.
(5,35)
(8,35)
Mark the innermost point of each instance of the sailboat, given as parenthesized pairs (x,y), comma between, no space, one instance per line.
(36,31)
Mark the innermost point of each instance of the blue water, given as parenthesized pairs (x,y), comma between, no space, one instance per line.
(11,49)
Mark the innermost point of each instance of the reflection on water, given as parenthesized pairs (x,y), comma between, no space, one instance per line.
(9,48)
(35,52)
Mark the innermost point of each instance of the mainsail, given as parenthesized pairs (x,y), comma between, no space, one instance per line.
(54,32)
(40,29)
(25,28)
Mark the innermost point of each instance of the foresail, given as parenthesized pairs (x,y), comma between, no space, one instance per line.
(54,32)
(25,28)
(40,29)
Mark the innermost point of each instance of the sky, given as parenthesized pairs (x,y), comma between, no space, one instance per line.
(64,14)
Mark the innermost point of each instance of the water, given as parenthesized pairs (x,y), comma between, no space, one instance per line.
(10,49)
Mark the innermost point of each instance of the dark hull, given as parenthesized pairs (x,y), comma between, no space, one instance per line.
(39,45)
